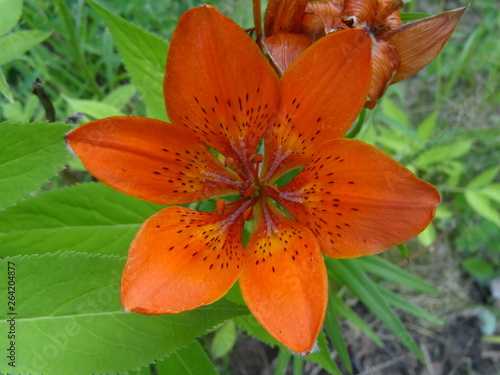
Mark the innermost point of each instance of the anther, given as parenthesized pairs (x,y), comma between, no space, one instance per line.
(219,207)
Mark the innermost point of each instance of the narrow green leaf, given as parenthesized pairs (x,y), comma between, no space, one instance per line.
(4,88)
(348,314)
(408,17)
(492,191)
(224,339)
(427,126)
(377,265)
(334,332)
(29,155)
(144,55)
(10,12)
(483,206)
(284,357)
(94,108)
(90,218)
(191,360)
(363,287)
(69,319)
(321,357)
(403,250)
(15,44)
(402,304)
(298,365)
(484,178)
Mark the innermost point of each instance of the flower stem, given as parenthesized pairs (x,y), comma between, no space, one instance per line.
(257,20)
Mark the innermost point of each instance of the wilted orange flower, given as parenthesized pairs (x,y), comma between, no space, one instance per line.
(399,50)
(349,200)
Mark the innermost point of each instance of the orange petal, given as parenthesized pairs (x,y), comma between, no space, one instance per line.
(182,259)
(388,16)
(357,200)
(283,16)
(285,48)
(150,159)
(284,280)
(385,65)
(330,15)
(360,11)
(322,93)
(218,84)
(419,42)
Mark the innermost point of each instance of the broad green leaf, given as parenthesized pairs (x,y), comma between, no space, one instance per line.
(483,178)
(191,360)
(492,191)
(4,88)
(376,265)
(400,303)
(395,112)
(427,126)
(10,12)
(15,44)
(334,333)
(224,339)
(348,314)
(483,206)
(144,55)
(94,108)
(119,97)
(478,268)
(29,155)
(69,318)
(91,218)
(321,357)
(352,276)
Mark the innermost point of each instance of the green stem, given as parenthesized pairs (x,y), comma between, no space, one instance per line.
(357,128)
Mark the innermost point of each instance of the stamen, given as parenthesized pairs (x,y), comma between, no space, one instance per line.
(279,157)
(248,214)
(228,221)
(229,162)
(219,206)
(256,159)
(292,196)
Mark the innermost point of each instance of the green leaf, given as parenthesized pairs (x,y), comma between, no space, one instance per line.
(408,17)
(402,249)
(428,236)
(284,357)
(321,357)
(144,55)
(334,332)
(94,108)
(349,272)
(346,312)
(191,360)
(478,268)
(400,303)
(119,97)
(4,88)
(10,12)
(15,44)
(69,318)
(427,126)
(483,178)
(91,218)
(483,206)
(224,339)
(378,266)
(492,191)
(29,155)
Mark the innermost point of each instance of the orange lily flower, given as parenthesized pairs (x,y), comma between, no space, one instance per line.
(399,50)
(349,200)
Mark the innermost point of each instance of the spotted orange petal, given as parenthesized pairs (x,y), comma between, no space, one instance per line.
(151,160)
(284,280)
(182,259)
(284,48)
(419,42)
(218,84)
(284,16)
(357,200)
(322,93)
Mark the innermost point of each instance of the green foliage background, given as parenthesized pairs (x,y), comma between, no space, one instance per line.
(69,243)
